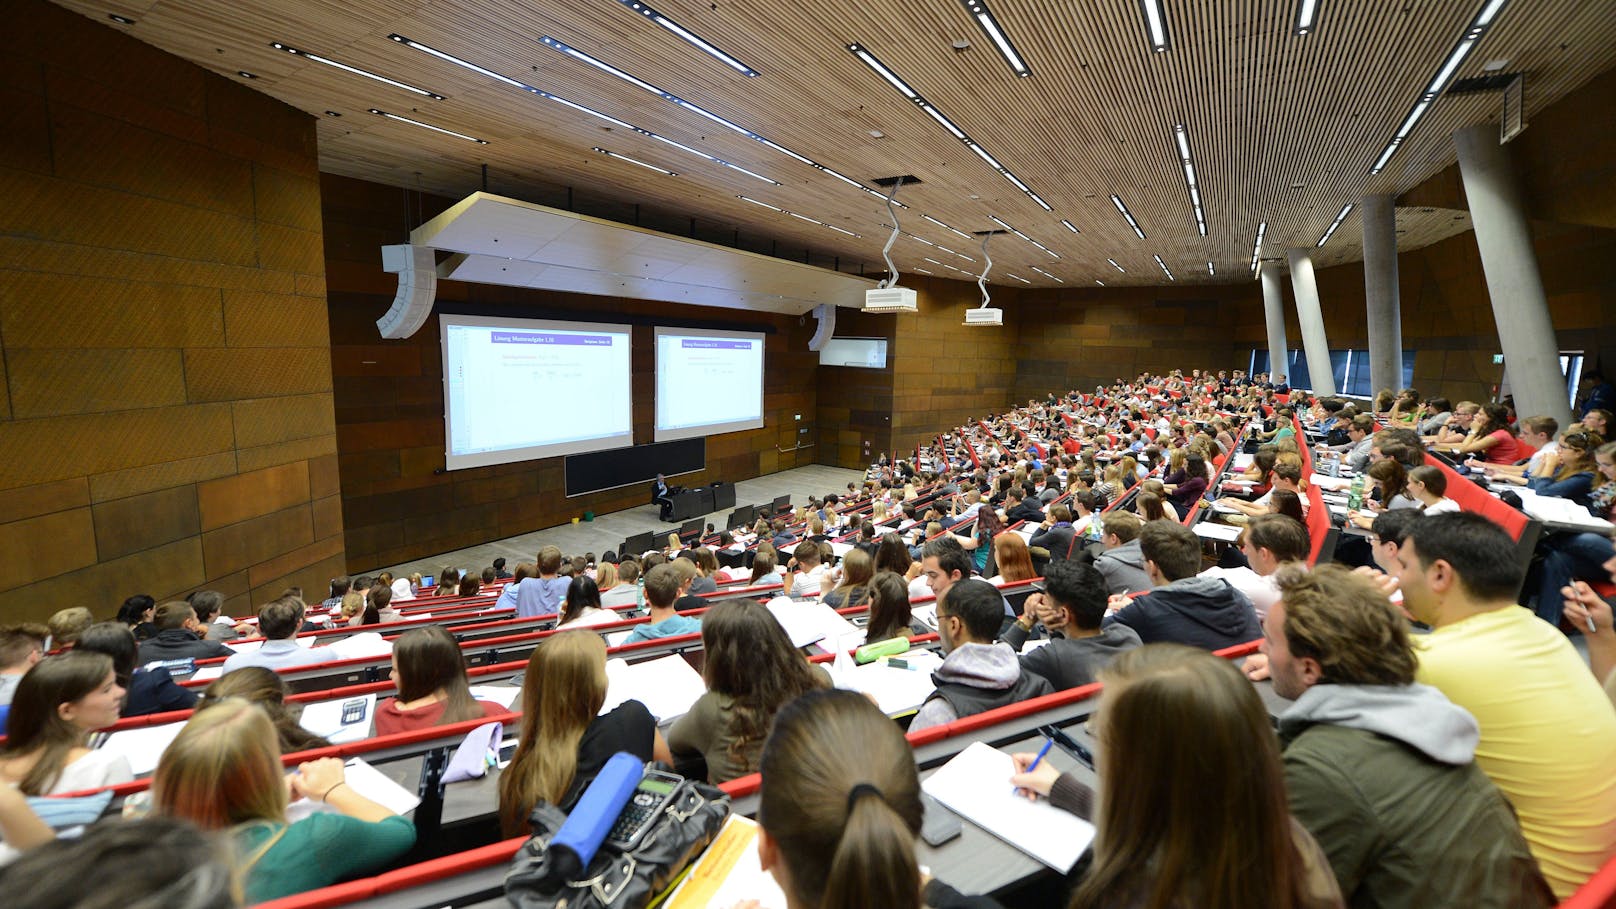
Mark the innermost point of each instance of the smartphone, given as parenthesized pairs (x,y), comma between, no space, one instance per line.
(650,797)
(938,825)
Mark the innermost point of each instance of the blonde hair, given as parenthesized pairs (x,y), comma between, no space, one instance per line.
(223,769)
(563,689)
(352,604)
(879,513)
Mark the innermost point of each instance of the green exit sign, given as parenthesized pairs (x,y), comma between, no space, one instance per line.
(1498,359)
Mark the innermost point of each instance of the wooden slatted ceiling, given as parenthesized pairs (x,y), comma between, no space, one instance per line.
(1264,109)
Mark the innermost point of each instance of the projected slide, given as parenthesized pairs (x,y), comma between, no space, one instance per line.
(707,382)
(517,389)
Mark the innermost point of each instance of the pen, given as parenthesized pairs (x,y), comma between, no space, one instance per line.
(1030,767)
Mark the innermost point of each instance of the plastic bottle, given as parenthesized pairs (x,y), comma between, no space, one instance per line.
(1355,497)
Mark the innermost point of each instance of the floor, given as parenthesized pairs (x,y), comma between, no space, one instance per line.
(608,531)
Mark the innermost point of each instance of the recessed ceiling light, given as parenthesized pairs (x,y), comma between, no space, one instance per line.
(1018,277)
(1099,282)
(1256,249)
(688,35)
(1116,266)
(121,20)
(1307,16)
(1115,200)
(990,26)
(1165,269)
(332,113)
(436,129)
(1345,210)
(355,70)
(246,75)
(1155,24)
(1182,136)
(1070,226)
(612,154)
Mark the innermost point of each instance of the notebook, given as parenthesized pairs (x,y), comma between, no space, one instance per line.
(976,786)
(729,873)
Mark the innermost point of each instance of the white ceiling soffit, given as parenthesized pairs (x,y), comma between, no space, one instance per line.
(520,244)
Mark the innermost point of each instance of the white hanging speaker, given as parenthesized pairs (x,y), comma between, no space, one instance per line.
(417,272)
(826,315)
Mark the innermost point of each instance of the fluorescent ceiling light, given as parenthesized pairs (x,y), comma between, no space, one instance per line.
(1115,200)
(450,58)
(1070,226)
(1256,249)
(1018,277)
(1439,83)
(997,220)
(1209,269)
(984,17)
(1182,136)
(1046,274)
(1165,269)
(756,202)
(1116,266)
(601,65)
(1307,16)
(1155,24)
(1099,282)
(692,37)
(891,78)
(436,129)
(1345,210)
(612,154)
(355,70)
(946,227)
(921,270)
(798,215)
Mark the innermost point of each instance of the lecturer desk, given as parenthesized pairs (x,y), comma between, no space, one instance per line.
(692,503)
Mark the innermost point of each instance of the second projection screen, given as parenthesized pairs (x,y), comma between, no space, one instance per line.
(707,382)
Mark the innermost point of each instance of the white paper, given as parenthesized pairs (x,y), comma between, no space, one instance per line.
(667,686)
(207,673)
(1560,511)
(841,549)
(503,695)
(808,623)
(1212,530)
(976,786)
(142,746)
(324,719)
(245,646)
(896,691)
(617,638)
(366,644)
(378,787)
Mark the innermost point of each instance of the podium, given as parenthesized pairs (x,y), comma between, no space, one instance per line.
(690,503)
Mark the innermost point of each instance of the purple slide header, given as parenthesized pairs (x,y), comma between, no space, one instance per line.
(714,344)
(544,337)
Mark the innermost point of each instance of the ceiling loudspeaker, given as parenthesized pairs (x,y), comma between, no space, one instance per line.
(417,271)
(891,299)
(825,313)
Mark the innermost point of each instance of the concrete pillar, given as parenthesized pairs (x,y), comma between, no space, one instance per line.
(1273,304)
(1525,333)
(1314,343)
(1380,292)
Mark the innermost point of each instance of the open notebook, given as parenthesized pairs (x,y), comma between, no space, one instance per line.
(976,786)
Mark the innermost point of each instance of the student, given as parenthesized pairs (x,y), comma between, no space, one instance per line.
(583,602)
(663,586)
(1192,808)
(279,621)
(1182,608)
(1122,563)
(1492,437)
(565,740)
(136,613)
(848,583)
(1379,769)
(1427,485)
(891,614)
(541,595)
(67,624)
(765,572)
(751,671)
(978,672)
(57,705)
(839,810)
(1054,536)
(1525,685)
(689,574)
(157,863)
(804,571)
(622,584)
(1070,604)
(707,563)
(265,690)
(21,646)
(215,626)
(223,772)
(1012,558)
(147,691)
(179,636)
(430,673)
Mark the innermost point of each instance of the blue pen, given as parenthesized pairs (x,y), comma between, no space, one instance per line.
(1030,767)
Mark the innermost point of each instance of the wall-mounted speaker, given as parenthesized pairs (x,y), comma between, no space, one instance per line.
(417,271)
(826,314)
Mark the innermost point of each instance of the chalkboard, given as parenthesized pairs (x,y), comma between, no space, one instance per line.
(600,470)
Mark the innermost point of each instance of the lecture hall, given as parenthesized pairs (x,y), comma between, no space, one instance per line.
(945,453)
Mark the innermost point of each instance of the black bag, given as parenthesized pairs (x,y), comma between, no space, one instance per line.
(620,880)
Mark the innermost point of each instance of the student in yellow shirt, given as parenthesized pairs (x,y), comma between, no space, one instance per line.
(1548,734)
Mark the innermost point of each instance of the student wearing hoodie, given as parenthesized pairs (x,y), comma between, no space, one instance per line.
(1070,605)
(1122,563)
(1182,608)
(1382,770)
(978,673)
(663,587)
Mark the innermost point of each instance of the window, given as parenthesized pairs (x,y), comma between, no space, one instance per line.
(1349,365)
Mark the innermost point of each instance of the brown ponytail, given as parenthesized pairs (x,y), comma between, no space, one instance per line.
(841,798)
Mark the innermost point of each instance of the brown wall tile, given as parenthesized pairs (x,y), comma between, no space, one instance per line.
(252,494)
(46,546)
(143,522)
(108,313)
(274,320)
(256,540)
(33,501)
(232,374)
(48,383)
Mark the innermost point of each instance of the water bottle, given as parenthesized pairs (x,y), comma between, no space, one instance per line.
(1355,498)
